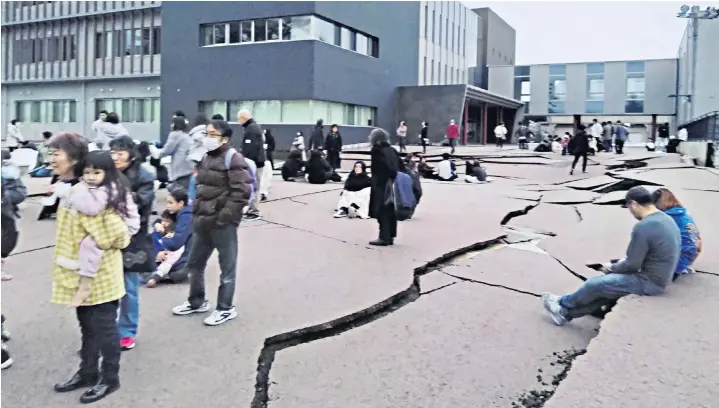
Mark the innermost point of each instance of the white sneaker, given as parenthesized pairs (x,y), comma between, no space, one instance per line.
(552,306)
(220,316)
(340,214)
(185,308)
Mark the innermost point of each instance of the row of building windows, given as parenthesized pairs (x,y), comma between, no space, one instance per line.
(131,110)
(451,75)
(445,33)
(45,49)
(119,43)
(296,112)
(47,111)
(288,29)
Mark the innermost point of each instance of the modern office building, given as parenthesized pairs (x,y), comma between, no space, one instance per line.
(350,63)
(64,61)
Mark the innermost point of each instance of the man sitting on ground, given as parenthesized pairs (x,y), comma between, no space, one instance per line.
(446,169)
(651,259)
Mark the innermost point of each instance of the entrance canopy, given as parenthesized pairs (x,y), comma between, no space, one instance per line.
(474,93)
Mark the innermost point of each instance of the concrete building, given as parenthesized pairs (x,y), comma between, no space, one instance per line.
(497,45)
(64,61)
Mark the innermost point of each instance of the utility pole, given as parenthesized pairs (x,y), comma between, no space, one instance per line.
(695,13)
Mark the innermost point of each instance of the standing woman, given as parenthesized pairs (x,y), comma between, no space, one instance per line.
(14,136)
(385,165)
(138,256)
(178,146)
(270,147)
(402,136)
(333,146)
(423,136)
(98,313)
(579,147)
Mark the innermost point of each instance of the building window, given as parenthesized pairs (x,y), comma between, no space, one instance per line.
(120,43)
(426,19)
(131,110)
(55,111)
(557,88)
(288,29)
(636,84)
(295,112)
(594,106)
(595,88)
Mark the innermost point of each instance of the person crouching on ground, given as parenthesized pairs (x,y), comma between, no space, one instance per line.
(446,169)
(475,173)
(385,165)
(354,199)
(425,170)
(292,167)
(173,250)
(319,170)
(224,188)
(667,202)
(647,269)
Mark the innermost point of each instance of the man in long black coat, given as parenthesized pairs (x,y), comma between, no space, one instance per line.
(385,165)
(579,146)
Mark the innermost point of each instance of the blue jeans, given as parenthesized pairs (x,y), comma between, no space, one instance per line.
(130,306)
(600,291)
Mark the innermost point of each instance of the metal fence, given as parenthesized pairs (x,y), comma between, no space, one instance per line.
(705,127)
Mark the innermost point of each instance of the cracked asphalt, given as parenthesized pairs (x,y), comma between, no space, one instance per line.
(448,317)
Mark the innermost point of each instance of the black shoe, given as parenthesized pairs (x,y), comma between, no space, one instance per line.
(76,382)
(99,391)
(6,359)
(571,172)
(380,242)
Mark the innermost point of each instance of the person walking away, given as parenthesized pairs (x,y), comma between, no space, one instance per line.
(402,136)
(110,129)
(97,316)
(500,133)
(101,139)
(224,188)
(333,146)
(663,131)
(270,146)
(138,256)
(579,147)
(647,269)
(452,135)
(317,139)
(14,136)
(354,198)
(523,134)
(197,134)
(691,240)
(253,149)
(424,137)
(385,164)
(621,133)
(178,147)
(14,192)
(596,132)
(179,243)
(607,136)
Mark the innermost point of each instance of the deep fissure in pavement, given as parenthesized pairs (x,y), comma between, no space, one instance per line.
(537,398)
(519,213)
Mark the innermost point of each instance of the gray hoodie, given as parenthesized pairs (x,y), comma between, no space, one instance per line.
(178,146)
(107,132)
(197,152)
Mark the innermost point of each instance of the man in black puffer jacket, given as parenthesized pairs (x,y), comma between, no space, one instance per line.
(253,148)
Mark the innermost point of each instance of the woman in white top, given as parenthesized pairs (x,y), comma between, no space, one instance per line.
(14,136)
(500,133)
(402,136)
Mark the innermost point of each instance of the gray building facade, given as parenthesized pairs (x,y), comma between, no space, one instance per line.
(64,61)
(701,83)
(497,44)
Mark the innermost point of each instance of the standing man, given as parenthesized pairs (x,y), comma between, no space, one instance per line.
(596,131)
(452,134)
(522,134)
(607,136)
(253,148)
(500,133)
(663,136)
(14,136)
(621,133)
(317,139)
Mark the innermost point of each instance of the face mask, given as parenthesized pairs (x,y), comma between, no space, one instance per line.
(211,143)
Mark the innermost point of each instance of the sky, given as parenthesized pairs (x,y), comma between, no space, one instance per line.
(580,31)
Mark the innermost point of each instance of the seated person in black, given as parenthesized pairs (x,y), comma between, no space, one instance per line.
(292,168)
(425,170)
(318,169)
(474,172)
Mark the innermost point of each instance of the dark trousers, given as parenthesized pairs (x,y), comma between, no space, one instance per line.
(424,146)
(271,160)
(523,143)
(98,326)
(607,145)
(9,235)
(619,146)
(500,142)
(387,221)
(402,146)
(224,239)
(584,160)
(452,144)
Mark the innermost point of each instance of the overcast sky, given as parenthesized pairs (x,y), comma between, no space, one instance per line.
(550,32)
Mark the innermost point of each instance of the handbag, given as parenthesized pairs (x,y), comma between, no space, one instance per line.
(138,256)
(389,194)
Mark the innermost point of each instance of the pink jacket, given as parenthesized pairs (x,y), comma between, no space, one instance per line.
(91,201)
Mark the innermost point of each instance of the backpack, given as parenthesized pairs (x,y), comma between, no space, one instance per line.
(251,167)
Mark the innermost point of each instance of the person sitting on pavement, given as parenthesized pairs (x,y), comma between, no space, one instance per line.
(42,164)
(318,169)
(647,269)
(475,173)
(425,170)
(446,169)
(354,199)
(292,167)
(165,230)
(667,202)
(166,246)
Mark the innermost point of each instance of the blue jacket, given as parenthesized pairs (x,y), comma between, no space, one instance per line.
(191,190)
(690,236)
(621,133)
(183,236)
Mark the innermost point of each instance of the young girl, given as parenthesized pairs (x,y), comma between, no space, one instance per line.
(667,202)
(354,199)
(177,243)
(166,227)
(100,189)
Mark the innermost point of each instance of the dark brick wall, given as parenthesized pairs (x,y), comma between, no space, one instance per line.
(436,105)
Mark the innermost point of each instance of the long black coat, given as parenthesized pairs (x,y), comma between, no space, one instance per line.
(579,144)
(385,165)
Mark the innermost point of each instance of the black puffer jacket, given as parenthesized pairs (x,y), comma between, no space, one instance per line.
(137,257)
(253,146)
(222,194)
(292,165)
(317,140)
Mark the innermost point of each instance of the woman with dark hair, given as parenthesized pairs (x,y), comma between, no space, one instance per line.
(292,167)
(75,150)
(178,146)
(333,146)
(270,147)
(319,170)
(667,202)
(385,165)
(354,199)
(98,313)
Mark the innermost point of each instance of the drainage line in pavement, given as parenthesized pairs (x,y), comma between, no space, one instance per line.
(340,325)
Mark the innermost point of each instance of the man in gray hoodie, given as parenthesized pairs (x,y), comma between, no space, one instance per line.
(108,128)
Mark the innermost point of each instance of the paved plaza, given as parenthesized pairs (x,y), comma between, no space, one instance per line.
(448,317)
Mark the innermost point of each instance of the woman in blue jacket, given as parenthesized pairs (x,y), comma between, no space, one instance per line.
(182,212)
(667,202)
